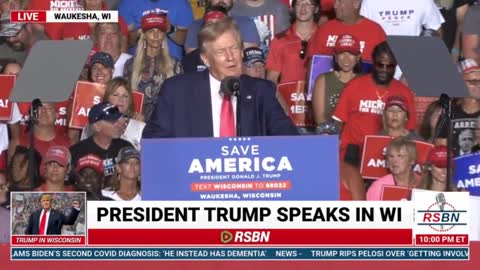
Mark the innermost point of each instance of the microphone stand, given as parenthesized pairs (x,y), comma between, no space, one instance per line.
(446,119)
(238,113)
(32,172)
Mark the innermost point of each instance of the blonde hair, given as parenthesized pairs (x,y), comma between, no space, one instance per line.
(45,195)
(166,65)
(427,179)
(210,32)
(400,142)
(112,86)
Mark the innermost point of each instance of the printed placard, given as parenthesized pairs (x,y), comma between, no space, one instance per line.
(7,82)
(86,95)
(396,193)
(374,164)
(299,108)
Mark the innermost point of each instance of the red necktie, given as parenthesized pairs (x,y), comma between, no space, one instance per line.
(227,120)
(43,223)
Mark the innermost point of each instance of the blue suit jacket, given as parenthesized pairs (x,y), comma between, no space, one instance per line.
(55,222)
(184,109)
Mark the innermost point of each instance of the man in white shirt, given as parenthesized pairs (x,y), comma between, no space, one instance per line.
(403,17)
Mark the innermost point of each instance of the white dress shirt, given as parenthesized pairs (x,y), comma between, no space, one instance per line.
(217,99)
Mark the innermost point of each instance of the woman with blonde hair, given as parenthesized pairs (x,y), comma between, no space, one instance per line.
(152,64)
(401,158)
(125,183)
(119,93)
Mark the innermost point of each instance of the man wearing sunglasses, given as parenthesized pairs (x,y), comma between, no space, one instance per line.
(108,124)
(360,109)
(287,58)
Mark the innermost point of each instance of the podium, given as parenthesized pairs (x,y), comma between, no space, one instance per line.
(300,168)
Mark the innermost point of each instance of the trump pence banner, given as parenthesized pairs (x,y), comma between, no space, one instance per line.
(243,168)
(396,193)
(467,173)
(374,164)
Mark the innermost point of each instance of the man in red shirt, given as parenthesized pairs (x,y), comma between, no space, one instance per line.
(44,132)
(348,21)
(287,59)
(360,110)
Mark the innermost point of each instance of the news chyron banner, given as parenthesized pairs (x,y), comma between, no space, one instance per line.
(435,226)
(58,16)
(243,168)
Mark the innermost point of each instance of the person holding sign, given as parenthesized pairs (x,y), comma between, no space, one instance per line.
(119,93)
(435,172)
(401,157)
(346,66)
(360,110)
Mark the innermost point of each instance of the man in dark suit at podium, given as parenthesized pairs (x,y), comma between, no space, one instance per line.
(192,105)
(48,221)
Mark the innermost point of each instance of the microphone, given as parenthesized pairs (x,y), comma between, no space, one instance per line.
(441,201)
(230,85)
(36,103)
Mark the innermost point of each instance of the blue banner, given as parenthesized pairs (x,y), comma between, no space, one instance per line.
(449,253)
(467,173)
(257,168)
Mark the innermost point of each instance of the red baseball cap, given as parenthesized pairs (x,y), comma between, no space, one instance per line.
(347,43)
(214,15)
(397,101)
(154,20)
(90,161)
(59,154)
(438,156)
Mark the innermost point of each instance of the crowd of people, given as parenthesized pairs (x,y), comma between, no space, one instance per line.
(159,50)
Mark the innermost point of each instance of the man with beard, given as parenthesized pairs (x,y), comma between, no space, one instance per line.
(246,25)
(360,110)
(25,38)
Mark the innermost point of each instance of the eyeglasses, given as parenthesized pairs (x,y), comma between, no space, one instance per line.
(384,66)
(303,50)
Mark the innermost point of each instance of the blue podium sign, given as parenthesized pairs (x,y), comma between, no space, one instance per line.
(467,173)
(256,168)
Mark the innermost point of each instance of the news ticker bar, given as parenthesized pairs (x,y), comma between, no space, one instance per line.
(51,16)
(239,253)
(250,237)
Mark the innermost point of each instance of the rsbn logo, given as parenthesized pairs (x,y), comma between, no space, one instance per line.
(441,216)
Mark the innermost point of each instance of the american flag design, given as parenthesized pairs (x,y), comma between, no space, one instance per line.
(266,30)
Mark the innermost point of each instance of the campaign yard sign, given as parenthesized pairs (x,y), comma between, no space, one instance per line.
(6,85)
(86,95)
(396,193)
(467,173)
(243,168)
(299,108)
(374,164)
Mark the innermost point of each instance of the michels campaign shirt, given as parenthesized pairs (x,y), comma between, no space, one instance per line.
(361,106)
